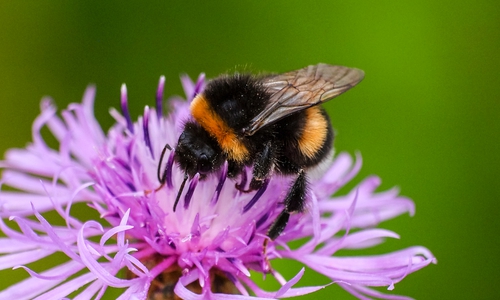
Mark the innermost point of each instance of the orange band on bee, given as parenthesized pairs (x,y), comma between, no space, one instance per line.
(217,128)
(314,132)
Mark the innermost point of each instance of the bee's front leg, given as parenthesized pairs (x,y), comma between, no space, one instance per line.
(262,167)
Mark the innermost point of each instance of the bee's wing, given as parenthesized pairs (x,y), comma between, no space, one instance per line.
(300,89)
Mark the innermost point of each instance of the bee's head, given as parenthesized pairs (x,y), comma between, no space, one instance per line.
(197,151)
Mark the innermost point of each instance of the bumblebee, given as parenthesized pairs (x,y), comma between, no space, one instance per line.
(273,123)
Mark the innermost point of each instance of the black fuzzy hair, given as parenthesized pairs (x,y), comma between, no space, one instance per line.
(236,98)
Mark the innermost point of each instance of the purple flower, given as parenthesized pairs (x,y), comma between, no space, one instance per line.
(207,248)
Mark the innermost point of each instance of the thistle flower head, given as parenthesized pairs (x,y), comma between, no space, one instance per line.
(208,246)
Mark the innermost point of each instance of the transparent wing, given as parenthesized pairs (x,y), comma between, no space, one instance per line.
(300,89)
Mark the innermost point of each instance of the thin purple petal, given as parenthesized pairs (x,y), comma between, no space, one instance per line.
(159,97)
(124,106)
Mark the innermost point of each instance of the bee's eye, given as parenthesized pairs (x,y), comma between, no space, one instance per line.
(204,165)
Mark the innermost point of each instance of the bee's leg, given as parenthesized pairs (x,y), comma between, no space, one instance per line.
(294,202)
(263,165)
(234,169)
(240,186)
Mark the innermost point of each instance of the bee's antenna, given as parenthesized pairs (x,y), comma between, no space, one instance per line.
(161,179)
(180,191)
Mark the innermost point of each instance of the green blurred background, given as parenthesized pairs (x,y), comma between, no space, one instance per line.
(426,117)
